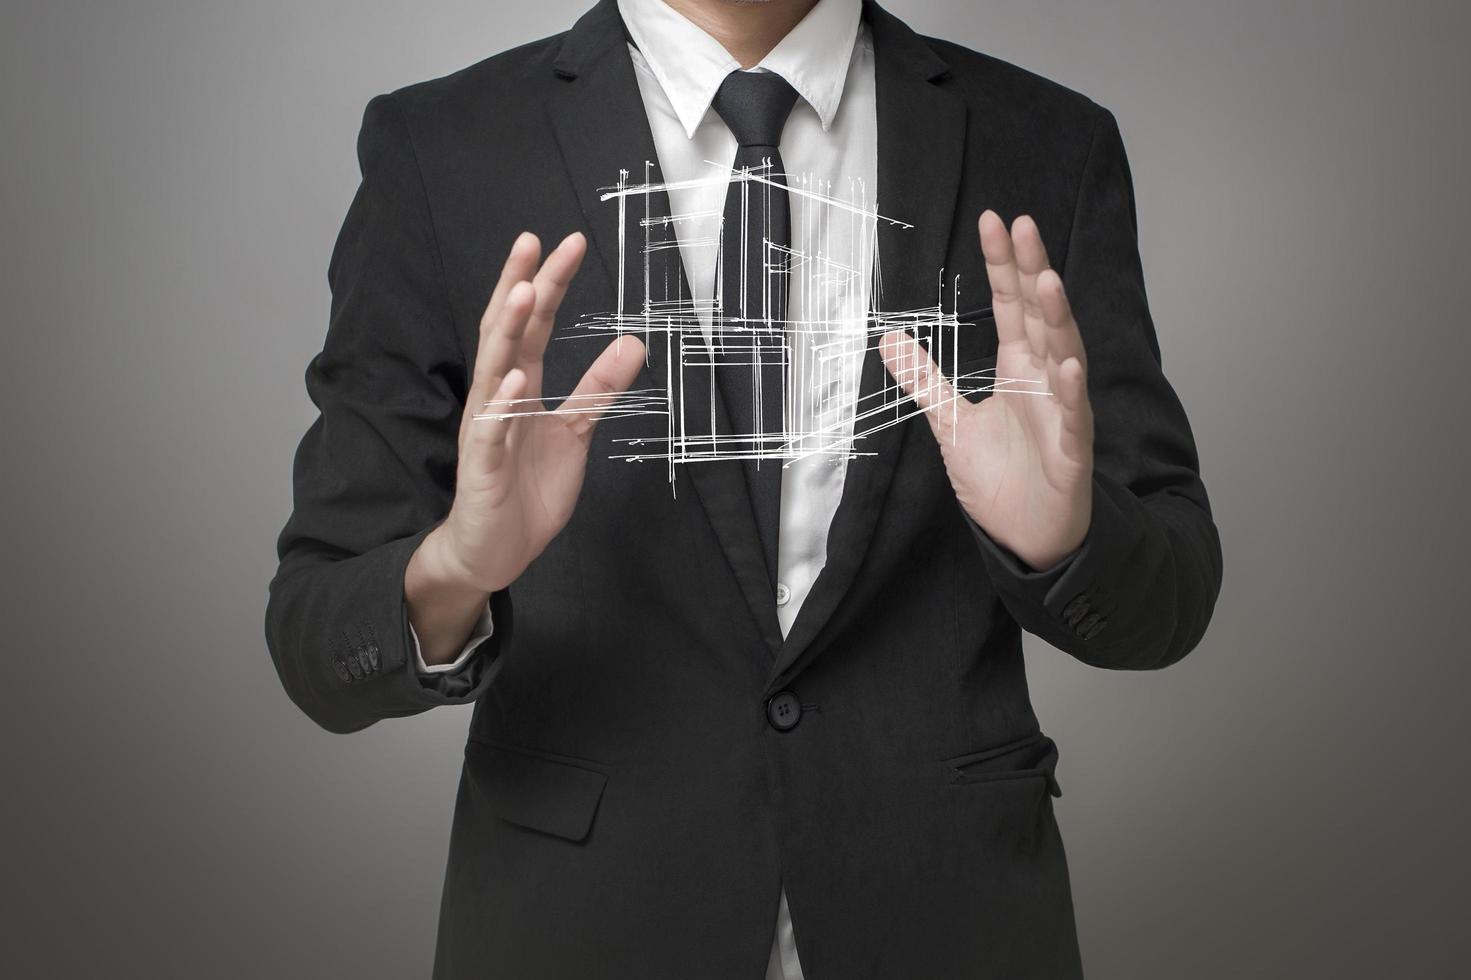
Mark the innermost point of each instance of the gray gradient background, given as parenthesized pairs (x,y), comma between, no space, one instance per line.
(1290,801)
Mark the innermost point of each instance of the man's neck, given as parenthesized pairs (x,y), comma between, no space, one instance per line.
(748,29)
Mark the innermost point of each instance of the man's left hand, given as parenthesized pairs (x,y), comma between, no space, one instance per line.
(1021,461)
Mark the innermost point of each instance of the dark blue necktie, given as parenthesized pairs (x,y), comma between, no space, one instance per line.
(755,243)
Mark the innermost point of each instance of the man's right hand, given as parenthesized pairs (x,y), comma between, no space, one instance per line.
(518,478)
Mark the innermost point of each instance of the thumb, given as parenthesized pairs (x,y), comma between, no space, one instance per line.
(609,376)
(915,370)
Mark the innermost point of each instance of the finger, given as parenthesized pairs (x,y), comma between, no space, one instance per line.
(1031,262)
(497,351)
(1075,434)
(520,266)
(1002,274)
(551,284)
(1064,338)
(500,345)
(487,444)
(610,374)
(921,379)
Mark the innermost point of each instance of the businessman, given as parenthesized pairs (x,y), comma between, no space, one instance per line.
(735,720)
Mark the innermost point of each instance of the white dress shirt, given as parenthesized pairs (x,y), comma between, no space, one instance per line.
(830,146)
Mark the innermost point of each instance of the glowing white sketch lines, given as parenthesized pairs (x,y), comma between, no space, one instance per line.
(759,175)
(831,325)
(891,400)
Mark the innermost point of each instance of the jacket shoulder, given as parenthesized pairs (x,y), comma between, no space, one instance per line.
(519,71)
(1004,86)
(455,121)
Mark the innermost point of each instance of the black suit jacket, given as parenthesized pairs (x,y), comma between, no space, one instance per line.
(629,807)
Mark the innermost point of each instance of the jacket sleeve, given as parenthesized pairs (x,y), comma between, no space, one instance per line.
(375,472)
(1140,591)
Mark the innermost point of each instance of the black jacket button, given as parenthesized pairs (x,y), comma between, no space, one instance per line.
(1095,629)
(1087,623)
(1076,609)
(783,711)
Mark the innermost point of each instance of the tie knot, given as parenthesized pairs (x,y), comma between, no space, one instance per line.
(755,105)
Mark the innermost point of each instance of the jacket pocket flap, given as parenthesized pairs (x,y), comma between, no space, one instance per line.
(972,341)
(535,789)
(1032,756)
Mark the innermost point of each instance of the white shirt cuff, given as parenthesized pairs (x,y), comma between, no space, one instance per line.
(483,629)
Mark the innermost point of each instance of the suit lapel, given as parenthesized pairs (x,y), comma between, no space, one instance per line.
(921,147)
(601,127)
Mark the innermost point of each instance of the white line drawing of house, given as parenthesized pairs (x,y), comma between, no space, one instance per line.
(815,351)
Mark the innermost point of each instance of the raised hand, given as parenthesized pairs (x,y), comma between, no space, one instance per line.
(1021,463)
(518,478)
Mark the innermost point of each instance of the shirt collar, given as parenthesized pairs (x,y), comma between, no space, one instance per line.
(690,64)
